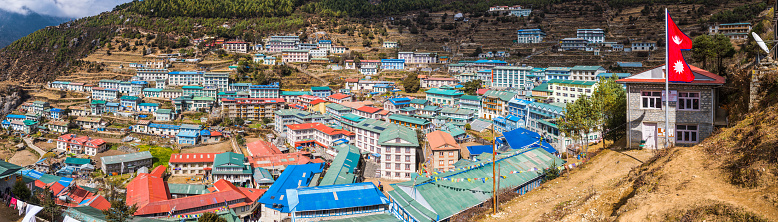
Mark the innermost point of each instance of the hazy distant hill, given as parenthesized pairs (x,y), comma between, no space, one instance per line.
(14,25)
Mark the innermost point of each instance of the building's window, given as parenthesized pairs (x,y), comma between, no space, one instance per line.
(688,101)
(440,163)
(388,157)
(651,100)
(686,133)
(388,166)
(450,153)
(397,166)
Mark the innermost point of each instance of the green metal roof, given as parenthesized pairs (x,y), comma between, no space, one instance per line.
(191,87)
(543,87)
(409,119)
(164,111)
(7,169)
(547,123)
(98,101)
(77,161)
(228,158)
(189,189)
(337,107)
(341,169)
(152,90)
(448,92)
(431,108)
(571,82)
(203,98)
(295,93)
(148,104)
(419,101)
(443,199)
(130,98)
(453,129)
(353,117)
(459,111)
(502,95)
(586,68)
(316,88)
(469,97)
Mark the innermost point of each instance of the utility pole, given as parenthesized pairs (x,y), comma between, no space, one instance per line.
(494,170)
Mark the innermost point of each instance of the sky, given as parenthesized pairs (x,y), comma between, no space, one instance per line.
(60,8)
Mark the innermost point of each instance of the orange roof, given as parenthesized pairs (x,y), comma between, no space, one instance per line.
(352,80)
(57,188)
(216,133)
(262,148)
(192,157)
(252,194)
(317,160)
(193,202)
(145,189)
(100,203)
(369,109)
(317,101)
(159,171)
(339,96)
(440,140)
(282,159)
(355,105)
(320,127)
(481,91)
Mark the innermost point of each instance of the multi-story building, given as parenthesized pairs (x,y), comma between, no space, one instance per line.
(101,93)
(190,164)
(216,79)
(370,112)
(586,73)
(390,44)
(395,104)
(643,46)
(441,151)
(414,123)
(339,49)
(152,92)
(568,91)
(280,45)
(735,31)
(230,166)
(518,108)
(185,78)
(126,163)
(337,111)
(317,133)
(569,44)
(130,102)
(293,116)
(318,53)
(108,83)
(557,73)
(188,134)
(321,91)
(694,109)
(511,77)
(530,36)
(251,108)
(151,74)
(339,98)
(441,97)
(418,57)
(80,145)
(495,103)
(265,91)
(325,44)
(436,82)
(295,55)
(171,93)
(470,102)
(38,107)
(397,146)
(459,115)
(236,46)
(591,35)
(393,64)
(368,70)
(466,77)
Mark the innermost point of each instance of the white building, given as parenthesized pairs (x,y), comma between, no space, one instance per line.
(418,57)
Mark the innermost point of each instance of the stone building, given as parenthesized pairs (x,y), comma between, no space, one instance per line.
(694,111)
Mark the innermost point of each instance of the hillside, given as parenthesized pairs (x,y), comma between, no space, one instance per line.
(731,176)
(419,25)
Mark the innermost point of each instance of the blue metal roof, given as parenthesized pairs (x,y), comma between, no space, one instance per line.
(491,61)
(521,137)
(15,116)
(400,101)
(187,133)
(181,73)
(393,60)
(478,150)
(335,197)
(205,132)
(294,176)
(164,126)
(630,64)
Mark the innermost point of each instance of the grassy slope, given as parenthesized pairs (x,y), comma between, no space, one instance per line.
(729,177)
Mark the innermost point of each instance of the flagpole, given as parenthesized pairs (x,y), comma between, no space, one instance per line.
(494,170)
(667,82)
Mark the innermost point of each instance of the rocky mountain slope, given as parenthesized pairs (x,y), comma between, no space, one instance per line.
(14,25)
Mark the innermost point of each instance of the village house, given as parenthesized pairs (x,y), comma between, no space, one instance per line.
(190,164)
(395,145)
(586,73)
(315,135)
(591,35)
(295,55)
(90,123)
(339,98)
(235,46)
(126,163)
(442,151)
(442,97)
(694,109)
(568,91)
(388,44)
(251,108)
(735,31)
(530,36)
(436,82)
(495,103)
(230,166)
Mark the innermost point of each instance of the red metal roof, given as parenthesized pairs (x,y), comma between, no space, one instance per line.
(440,140)
(282,159)
(216,133)
(339,96)
(352,80)
(369,109)
(320,127)
(317,101)
(717,80)
(262,148)
(57,188)
(192,157)
(145,189)
(481,91)
(159,171)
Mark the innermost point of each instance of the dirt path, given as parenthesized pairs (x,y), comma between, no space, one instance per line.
(602,172)
(220,147)
(23,158)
